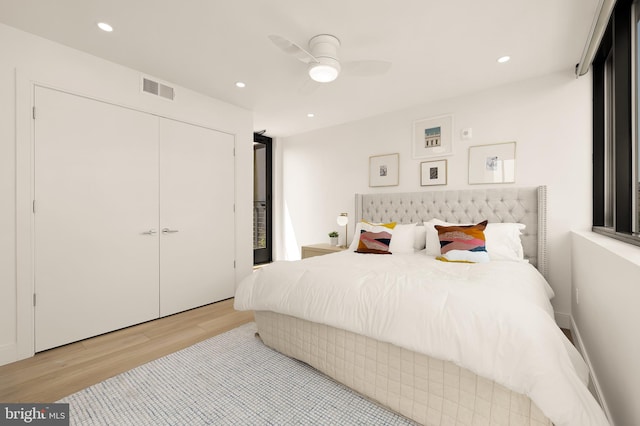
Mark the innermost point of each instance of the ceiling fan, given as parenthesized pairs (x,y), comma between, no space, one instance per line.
(324,65)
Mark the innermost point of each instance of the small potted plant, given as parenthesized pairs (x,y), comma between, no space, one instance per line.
(333,237)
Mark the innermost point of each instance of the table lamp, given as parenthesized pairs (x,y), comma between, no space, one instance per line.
(343,220)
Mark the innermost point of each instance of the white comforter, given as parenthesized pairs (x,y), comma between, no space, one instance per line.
(494,319)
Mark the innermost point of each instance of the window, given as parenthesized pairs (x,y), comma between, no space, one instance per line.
(616,150)
(609,165)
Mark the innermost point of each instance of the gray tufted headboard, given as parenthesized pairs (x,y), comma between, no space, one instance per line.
(522,205)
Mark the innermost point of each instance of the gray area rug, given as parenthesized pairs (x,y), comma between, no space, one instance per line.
(230,379)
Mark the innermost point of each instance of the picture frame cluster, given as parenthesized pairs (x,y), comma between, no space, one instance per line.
(433,138)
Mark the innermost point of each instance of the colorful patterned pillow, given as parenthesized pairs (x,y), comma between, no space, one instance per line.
(463,243)
(502,239)
(375,238)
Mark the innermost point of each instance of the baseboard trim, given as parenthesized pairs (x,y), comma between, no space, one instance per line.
(594,385)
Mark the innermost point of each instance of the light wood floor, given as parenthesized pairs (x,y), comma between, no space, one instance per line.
(56,373)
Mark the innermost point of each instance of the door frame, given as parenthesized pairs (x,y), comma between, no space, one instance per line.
(268,143)
(25,322)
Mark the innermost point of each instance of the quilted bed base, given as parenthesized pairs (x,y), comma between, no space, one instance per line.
(429,391)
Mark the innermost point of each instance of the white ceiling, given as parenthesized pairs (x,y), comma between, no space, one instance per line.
(439,48)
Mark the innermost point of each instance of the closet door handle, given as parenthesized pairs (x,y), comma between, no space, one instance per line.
(149,232)
(168,231)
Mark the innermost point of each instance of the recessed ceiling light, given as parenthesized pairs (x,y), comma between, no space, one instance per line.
(240,84)
(504,59)
(311,115)
(105,27)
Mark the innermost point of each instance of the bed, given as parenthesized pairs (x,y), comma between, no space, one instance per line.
(441,343)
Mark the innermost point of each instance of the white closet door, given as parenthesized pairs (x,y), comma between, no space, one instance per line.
(196,216)
(96,193)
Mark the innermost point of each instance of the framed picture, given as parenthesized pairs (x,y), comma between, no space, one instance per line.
(433,173)
(432,137)
(383,170)
(492,163)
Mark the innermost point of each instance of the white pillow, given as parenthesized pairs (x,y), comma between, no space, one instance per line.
(402,240)
(502,239)
(356,237)
(420,234)
(432,240)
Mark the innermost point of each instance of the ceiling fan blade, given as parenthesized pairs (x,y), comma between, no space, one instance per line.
(366,68)
(291,48)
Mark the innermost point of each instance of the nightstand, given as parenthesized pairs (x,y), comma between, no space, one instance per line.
(320,249)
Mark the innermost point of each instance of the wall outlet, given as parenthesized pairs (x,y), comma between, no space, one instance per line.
(577,296)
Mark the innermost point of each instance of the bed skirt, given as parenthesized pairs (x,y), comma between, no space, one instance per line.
(429,391)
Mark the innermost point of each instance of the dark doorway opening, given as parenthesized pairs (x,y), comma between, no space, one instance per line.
(262,209)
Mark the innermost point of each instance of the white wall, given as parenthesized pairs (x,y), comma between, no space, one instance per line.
(548,117)
(26,58)
(606,273)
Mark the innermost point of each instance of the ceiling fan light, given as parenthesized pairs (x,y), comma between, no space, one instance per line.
(323,73)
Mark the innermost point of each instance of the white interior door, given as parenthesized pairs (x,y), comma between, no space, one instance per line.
(96,194)
(196,216)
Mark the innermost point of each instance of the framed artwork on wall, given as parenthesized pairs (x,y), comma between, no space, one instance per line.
(433,173)
(383,170)
(494,163)
(432,137)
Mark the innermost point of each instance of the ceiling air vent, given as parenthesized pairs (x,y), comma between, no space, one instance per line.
(158,89)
